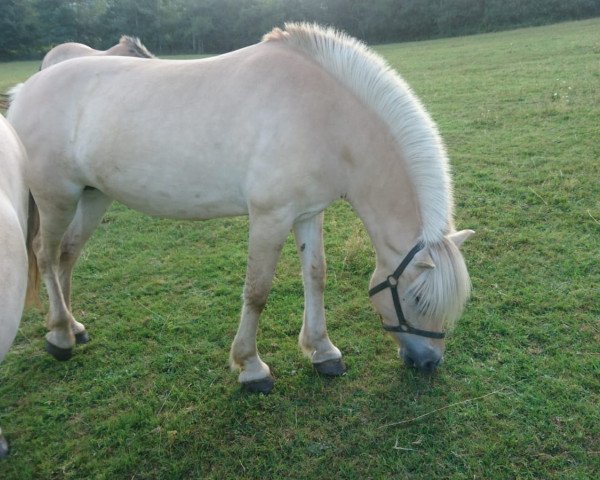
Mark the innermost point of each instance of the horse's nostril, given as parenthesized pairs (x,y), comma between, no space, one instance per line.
(408,361)
(429,366)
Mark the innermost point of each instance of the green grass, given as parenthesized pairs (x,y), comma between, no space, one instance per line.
(14,72)
(152,397)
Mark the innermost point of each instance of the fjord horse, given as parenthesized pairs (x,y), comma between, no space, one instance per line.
(277,131)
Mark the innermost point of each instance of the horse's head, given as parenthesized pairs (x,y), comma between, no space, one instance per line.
(422,298)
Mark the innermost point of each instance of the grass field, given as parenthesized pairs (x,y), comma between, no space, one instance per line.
(151,397)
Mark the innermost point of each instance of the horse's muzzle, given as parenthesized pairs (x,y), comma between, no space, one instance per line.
(420,355)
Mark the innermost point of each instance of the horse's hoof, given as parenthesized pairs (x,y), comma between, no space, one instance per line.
(331,368)
(3,447)
(57,352)
(82,337)
(264,385)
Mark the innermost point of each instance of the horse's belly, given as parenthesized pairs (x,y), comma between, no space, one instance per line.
(164,172)
(180,200)
(190,208)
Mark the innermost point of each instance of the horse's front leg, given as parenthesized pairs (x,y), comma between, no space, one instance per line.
(267,236)
(314,341)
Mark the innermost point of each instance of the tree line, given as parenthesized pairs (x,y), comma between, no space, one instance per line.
(29,28)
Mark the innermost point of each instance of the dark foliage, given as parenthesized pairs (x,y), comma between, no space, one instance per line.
(28,28)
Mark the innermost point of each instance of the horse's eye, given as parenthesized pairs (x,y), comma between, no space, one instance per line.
(417,299)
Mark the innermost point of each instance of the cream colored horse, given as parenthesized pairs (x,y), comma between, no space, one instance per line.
(127,47)
(13,230)
(277,131)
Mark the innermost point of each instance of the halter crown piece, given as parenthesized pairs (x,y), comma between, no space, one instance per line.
(392,282)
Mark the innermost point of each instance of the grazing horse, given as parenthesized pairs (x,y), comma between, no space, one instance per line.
(127,47)
(277,131)
(13,231)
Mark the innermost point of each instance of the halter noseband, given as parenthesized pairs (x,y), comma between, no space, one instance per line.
(392,282)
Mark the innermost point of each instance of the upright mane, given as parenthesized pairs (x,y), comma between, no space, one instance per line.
(135,46)
(369,76)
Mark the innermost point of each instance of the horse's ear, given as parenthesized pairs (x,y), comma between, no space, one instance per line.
(423,260)
(459,237)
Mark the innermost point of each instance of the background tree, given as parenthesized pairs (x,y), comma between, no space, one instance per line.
(28,28)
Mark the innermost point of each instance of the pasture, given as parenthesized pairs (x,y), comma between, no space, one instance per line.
(151,396)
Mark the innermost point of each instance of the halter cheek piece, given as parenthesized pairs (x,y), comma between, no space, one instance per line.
(392,282)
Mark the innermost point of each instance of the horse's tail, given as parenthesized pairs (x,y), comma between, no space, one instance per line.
(14,91)
(6,99)
(33,278)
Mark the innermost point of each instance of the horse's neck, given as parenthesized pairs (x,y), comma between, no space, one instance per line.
(119,49)
(386,202)
(392,234)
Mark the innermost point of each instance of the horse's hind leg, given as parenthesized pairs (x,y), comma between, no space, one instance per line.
(90,209)
(314,341)
(267,236)
(55,216)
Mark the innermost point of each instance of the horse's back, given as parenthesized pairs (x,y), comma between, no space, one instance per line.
(205,130)
(66,51)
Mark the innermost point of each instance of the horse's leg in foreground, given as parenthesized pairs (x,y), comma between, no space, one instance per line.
(91,208)
(314,341)
(267,236)
(13,283)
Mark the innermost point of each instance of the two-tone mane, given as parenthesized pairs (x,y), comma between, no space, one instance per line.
(370,77)
(443,290)
(135,47)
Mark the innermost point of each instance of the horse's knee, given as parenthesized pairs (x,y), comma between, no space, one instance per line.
(44,262)
(318,274)
(68,252)
(255,297)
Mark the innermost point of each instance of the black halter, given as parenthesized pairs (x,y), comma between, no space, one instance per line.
(392,282)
